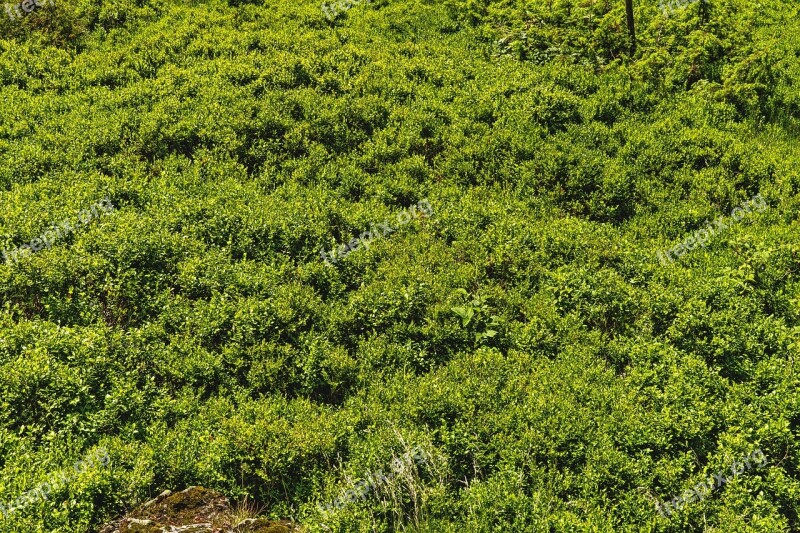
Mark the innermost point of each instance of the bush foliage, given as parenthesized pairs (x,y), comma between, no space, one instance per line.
(525,335)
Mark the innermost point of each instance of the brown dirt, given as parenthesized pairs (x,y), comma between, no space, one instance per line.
(194,510)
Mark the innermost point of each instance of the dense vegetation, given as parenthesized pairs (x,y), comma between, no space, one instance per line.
(525,335)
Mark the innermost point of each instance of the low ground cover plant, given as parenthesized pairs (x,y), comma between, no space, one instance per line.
(526,335)
(383,229)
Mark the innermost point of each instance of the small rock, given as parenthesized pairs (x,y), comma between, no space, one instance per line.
(159,497)
(192,510)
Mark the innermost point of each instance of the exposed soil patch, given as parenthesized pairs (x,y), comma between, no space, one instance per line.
(194,510)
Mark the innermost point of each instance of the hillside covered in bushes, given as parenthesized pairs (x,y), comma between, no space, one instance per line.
(402,265)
